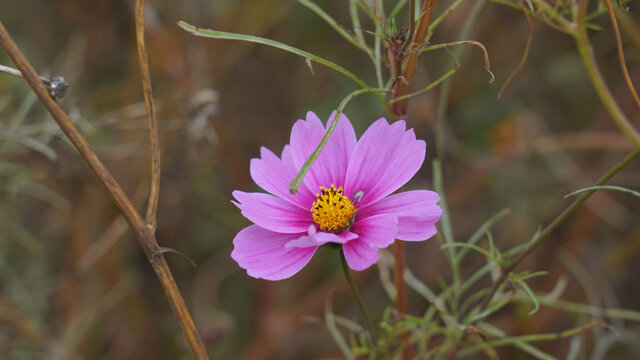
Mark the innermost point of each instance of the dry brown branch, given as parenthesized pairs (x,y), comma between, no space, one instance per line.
(145,236)
(152,122)
(623,64)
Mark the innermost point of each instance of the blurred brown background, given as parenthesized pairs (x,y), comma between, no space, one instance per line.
(74,283)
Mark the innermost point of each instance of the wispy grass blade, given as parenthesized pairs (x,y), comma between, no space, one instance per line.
(481,231)
(527,339)
(530,294)
(443,15)
(605,187)
(396,9)
(477,248)
(445,220)
(585,309)
(331,22)
(330,322)
(355,21)
(30,142)
(213,34)
(528,348)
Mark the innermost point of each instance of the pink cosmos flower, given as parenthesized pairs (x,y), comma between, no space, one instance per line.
(345,198)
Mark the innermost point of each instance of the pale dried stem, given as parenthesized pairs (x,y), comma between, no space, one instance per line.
(154,192)
(525,53)
(145,236)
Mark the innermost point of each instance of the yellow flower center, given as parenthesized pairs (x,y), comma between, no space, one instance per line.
(332,211)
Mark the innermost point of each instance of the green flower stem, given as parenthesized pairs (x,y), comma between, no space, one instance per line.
(356,295)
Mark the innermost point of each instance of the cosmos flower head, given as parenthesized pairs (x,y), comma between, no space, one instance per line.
(346,198)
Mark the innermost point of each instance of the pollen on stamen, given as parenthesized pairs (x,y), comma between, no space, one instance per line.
(332,217)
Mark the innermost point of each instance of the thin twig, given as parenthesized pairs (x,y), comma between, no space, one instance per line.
(487,64)
(525,54)
(623,64)
(152,122)
(58,86)
(145,237)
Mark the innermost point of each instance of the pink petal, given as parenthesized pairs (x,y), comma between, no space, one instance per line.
(359,254)
(272,213)
(331,166)
(263,254)
(417,212)
(316,239)
(274,176)
(377,231)
(384,159)
(413,228)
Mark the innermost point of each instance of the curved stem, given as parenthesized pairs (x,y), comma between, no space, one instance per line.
(586,52)
(356,295)
(623,64)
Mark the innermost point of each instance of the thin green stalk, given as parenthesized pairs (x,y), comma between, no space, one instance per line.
(355,21)
(445,221)
(396,9)
(294,185)
(442,16)
(586,52)
(356,295)
(524,339)
(377,58)
(542,236)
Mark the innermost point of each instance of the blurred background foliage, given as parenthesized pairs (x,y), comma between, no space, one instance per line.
(74,284)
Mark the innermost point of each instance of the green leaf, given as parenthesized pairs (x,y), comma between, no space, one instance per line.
(213,34)
(483,229)
(530,294)
(530,5)
(605,187)
(330,322)
(396,9)
(472,247)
